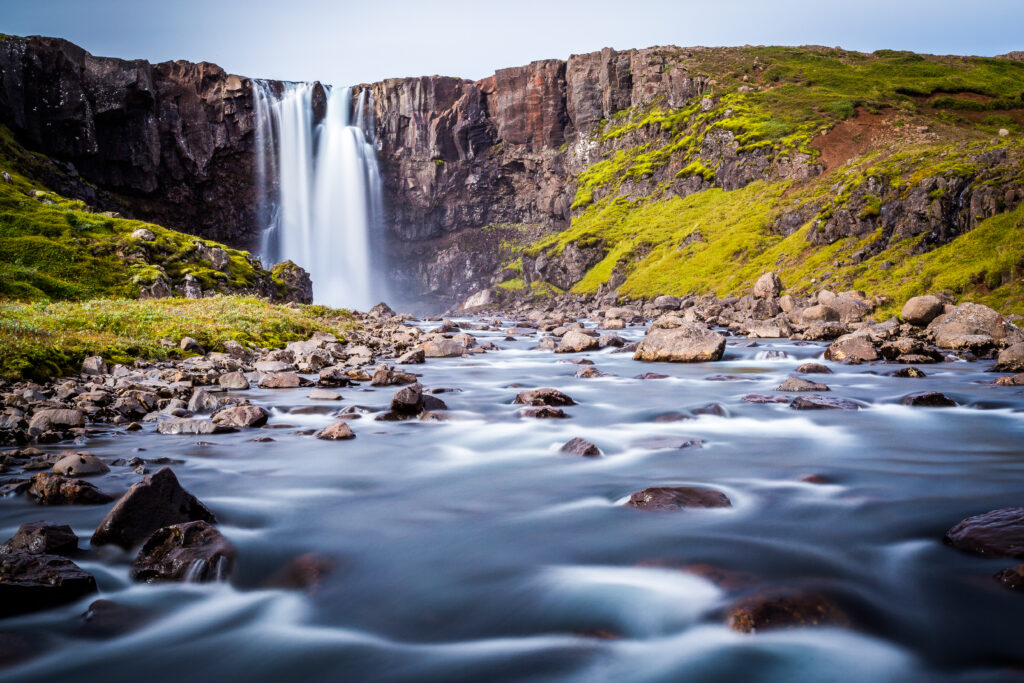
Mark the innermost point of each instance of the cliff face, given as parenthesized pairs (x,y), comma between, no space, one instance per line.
(170,143)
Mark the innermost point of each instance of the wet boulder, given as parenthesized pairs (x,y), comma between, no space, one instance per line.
(408,400)
(997,533)
(676,498)
(80,465)
(580,446)
(825,403)
(30,582)
(442,348)
(814,368)
(187,425)
(576,341)
(53,489)
(543,412)
(281,380)
(909,372)
(1011,359)
(801,384)
(768,286)
(109,619)
(41,538)
(778,608)
(336,431)
(545,396)
(191,551)
(921,310)
(928,399)
(156,501)
(683,342)
(55,419)
(242,416)
(851,348)
(1011,380)
(235,381)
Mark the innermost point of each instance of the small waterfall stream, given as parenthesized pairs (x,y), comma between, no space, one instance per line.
(320,188)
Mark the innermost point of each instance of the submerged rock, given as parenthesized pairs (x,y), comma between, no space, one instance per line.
(777,608)
(998,533)
(825,403)
(928,399)
(543,412)
(801,384)
(30,582)
(545,396)
(675,498)
(193,552)
(156,501)
(580,446)
(1012,578)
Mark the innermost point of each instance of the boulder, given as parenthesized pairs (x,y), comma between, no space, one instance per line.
(94,365)
(280,380)
(272,366)
(53,489)
(336,431)
(908,372)
(443,348)
(820,314)
(188,344)
(323,395)
(202,401)
(779,608)
(80,465)
(41,538)
(825,403)
(187,425)
(675,498)
(969,326)
(32,582)
(233,380)
(385,375)
(1011,381)
(242,416)
(814,368)
(921,310)
(1012,578)
(997,533)
(579,446)
(191,551)
(575,341)
(144,235)
(408,400)
(928,399)
(768,286)
(857,349)
(686,343)
(800,384)
(412,357)
(1011,359)
(156,501)
(545,396)
(543,412)
(55,419)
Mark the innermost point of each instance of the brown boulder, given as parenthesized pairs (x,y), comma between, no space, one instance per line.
(29,583)
(997,533)
(233,380)
(1011,359)
(579,446)
(156,501)
(280,380)
(686,343)
(814,368)
(675,498)
(767,286)
(336,431)
(243,416)
(41,538)
(921,310)
(777,608)
(53,489)
(545,396)
(544,412)
(408,400)
(193,552)
(928,399)
(575,341)
(852,349)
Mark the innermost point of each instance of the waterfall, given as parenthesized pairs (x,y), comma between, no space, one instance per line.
(320,188)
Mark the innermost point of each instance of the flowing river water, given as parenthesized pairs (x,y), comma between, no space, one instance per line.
(472,549)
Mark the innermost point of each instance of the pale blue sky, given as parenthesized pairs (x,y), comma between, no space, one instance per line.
(345,42)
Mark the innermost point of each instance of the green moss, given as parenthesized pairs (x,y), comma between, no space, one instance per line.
(513,285)
(43,339)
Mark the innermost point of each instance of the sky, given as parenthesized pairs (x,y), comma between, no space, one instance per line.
(344,42)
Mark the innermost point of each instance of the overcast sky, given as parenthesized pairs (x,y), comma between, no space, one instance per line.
(343,42)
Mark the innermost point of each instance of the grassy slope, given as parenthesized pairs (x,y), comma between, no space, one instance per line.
(803,93)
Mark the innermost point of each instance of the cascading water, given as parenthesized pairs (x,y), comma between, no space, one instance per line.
(320,188)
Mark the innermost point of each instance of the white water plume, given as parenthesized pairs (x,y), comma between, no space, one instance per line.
(320,188)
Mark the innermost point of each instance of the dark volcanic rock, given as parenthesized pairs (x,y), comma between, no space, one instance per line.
(408,400)
(42,538)
(580,446)
(996,533)
(29,583)
(928,399)
(156,501)
(672,498)
(784,608)
(543,397)
(193,551)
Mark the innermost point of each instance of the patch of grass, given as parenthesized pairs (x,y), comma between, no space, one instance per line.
(42,339)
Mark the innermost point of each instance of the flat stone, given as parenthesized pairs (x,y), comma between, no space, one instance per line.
(323,395)
(825,403)
(545,396)
(801,384)
(676,498)
(997,533)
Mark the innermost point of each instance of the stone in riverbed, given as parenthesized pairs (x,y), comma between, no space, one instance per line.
(336,431)
(588,372)
(385,375)
(444,348)
(323,395)
(273,366)
(801,384)
(814,368)
(928,399)
(413,357)
(545,396)
(580,446)
(575,341)
(243,416)
(852,349)
(191,551)
(909,372)
(41,538)
(997,533)
(825,403)
(280,380)
(53,489)
(1011,359)
(675,498)
(80,465)
(1011,381)
(156,501)
(686,343)
(921,310)
(202,401)
(1012,578)
(542,412)
(186,425)
(408,400)
(233,380)
(765,398)
(51,419)
(29,583)
(778,608)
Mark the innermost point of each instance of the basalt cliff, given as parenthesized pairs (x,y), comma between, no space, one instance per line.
(631,174)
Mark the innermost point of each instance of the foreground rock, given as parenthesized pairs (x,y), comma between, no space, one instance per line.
(53,489)
(30,582)
(675,498)
(1011,359)
(576,341)
(242,417)
(543,397)
(336,431)
(998,533)
(684,343)
(156,501)
(928,399)
(41,538)
(193,551)
(921,310)
(777,608)
(579,446)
